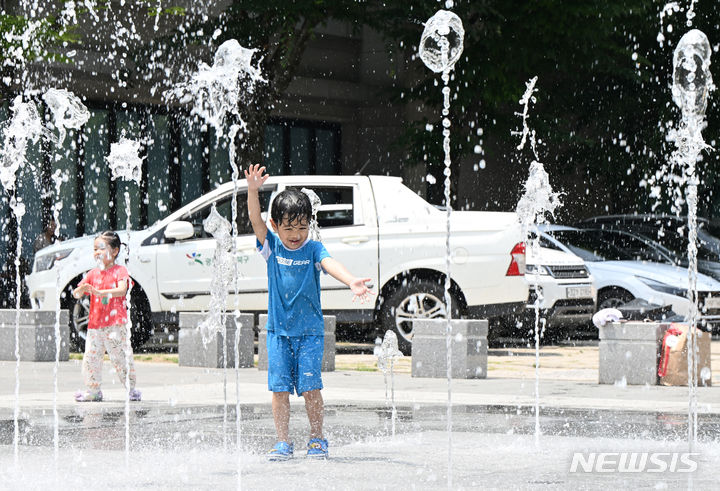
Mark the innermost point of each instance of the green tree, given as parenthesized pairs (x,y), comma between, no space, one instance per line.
(603,99)
(280,31)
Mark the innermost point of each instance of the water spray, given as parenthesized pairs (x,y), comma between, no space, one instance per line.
(441,45)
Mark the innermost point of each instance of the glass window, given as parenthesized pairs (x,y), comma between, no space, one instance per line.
(301,147)
(544,242)
(97,176)
(299,150)
(708,246)
(158,163)
(224,207)
(325,141)
(191,172)
(599,246)
(274,149)
(588,247)
(28,181)
(220,169)
(632,246)
(336,209)
(64,163)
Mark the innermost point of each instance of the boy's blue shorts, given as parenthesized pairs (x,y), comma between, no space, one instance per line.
(294,363)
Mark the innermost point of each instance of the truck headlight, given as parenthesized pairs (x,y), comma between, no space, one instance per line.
(46,261)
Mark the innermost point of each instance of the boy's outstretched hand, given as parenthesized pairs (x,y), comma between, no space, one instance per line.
(255,177)
(360,289)
(357,285)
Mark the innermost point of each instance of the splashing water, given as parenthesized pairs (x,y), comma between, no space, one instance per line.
(669,9)
(157,16)
(125,161)
(223,272)
(692,79)
(536,203)
(58,178)
(525,100)
(690,14)
(315,202)
(25,126)
(217,226)
(691,83)
(538,200)
(215,93)
(441,45)
(386,355)
(68,111)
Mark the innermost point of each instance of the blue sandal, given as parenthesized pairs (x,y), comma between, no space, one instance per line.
(317,448)
(281,451)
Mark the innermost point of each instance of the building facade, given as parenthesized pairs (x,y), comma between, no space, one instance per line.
(334,118)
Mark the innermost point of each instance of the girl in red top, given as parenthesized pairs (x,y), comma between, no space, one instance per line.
(107,285)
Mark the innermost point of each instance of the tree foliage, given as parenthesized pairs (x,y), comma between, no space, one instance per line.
(603,104)
(279,30)
(603,99)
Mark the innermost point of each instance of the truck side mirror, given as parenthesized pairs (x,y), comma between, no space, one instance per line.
(179,230)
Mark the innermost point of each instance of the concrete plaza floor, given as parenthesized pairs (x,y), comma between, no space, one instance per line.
(184,432)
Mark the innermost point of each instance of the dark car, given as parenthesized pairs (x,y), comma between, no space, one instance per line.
(669,231)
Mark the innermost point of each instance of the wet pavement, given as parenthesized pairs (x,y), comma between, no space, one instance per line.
(183,434)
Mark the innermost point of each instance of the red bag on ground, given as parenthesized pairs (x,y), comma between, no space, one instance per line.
(673,366)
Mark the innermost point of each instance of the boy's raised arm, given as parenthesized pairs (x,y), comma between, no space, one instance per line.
(255,180)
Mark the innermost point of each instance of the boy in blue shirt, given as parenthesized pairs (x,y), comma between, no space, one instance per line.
(295,328)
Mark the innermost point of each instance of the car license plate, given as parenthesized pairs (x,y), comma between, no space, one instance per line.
(712,303)
(578,292)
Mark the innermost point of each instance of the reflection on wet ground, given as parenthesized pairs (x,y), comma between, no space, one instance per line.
(492,448)
(168,427)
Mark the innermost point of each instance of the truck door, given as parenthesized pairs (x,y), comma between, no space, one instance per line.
(185,268)
(349,232)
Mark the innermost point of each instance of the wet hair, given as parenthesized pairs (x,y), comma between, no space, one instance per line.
(291,205)
(111,238)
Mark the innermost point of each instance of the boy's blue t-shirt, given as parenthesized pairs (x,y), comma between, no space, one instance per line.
(293,286)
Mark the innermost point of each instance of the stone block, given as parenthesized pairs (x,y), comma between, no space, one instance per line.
(36,335)
(328,363)
(469,348)
(192,351)
(629,352)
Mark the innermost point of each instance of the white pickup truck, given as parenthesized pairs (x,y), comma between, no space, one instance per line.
(374,225)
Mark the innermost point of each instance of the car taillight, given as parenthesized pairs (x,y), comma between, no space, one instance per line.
(517,264)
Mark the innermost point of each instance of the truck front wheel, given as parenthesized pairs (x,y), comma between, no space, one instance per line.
(418,299)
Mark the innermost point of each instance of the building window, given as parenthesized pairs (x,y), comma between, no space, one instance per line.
(158,162)
(182,161)
(302,147)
